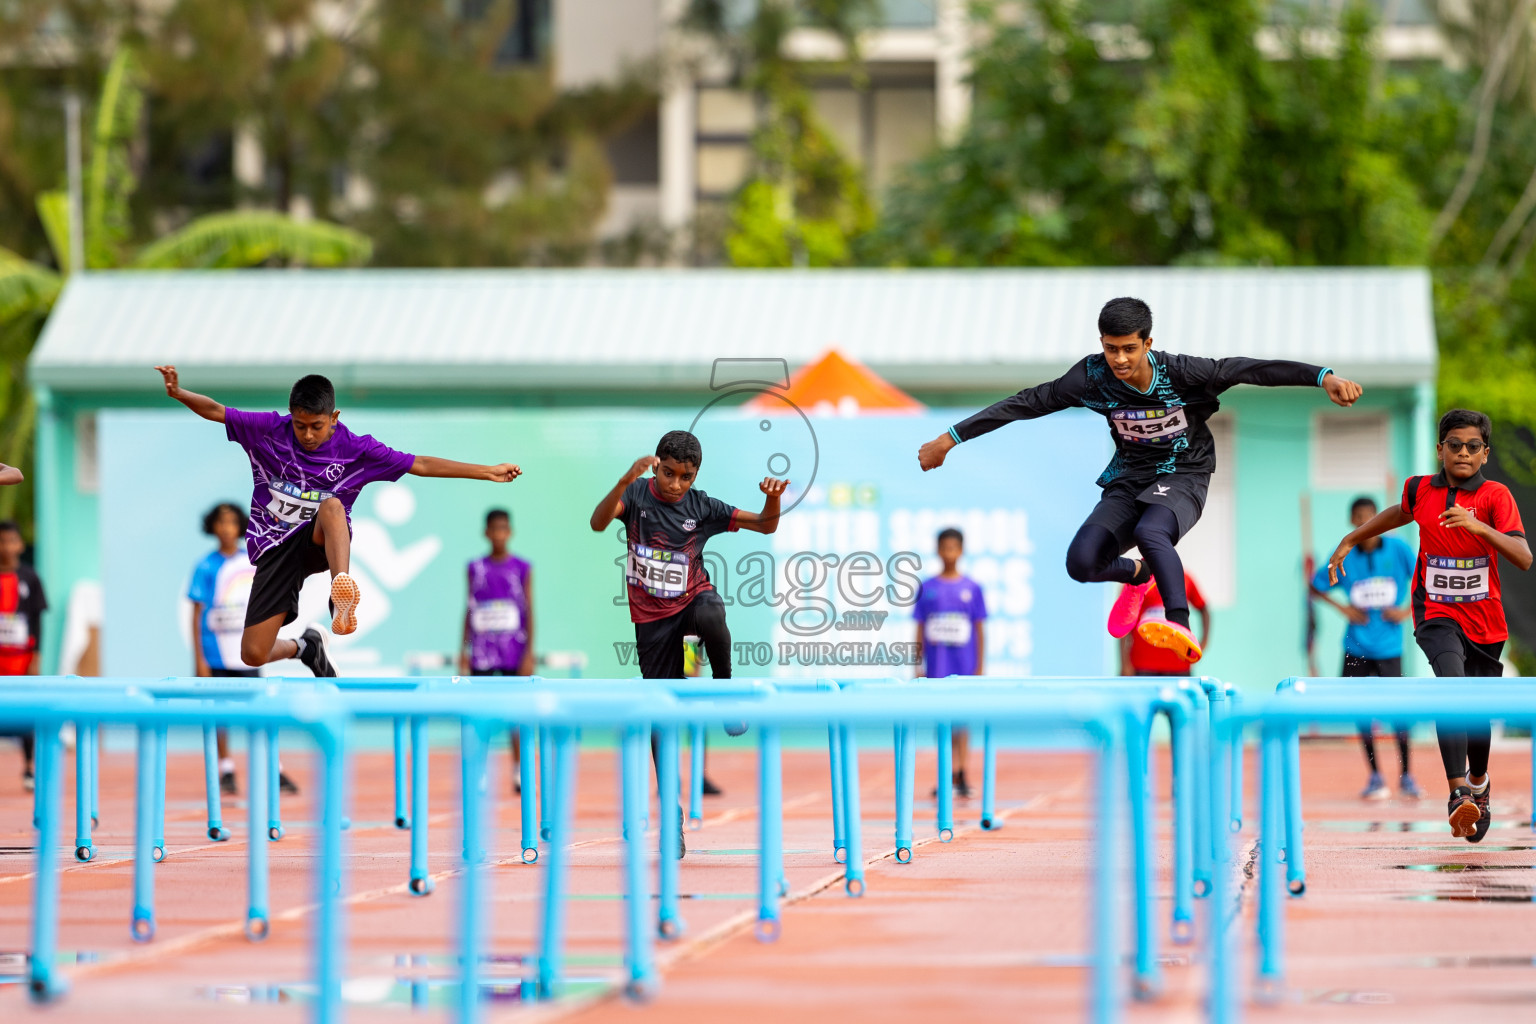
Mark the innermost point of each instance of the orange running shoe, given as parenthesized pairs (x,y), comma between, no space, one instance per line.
(345,596)
(1172,637)
(1127,609)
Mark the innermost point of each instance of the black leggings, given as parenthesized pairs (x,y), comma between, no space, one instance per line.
(1453,655)
(1095,556)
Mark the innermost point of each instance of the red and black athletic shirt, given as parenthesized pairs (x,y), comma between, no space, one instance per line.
(22,603)
(664,567)
(1457,575)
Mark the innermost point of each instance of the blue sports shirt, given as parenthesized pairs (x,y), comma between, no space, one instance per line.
(1374,581)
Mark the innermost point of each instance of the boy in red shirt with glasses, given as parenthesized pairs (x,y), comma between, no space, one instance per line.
(1466,522)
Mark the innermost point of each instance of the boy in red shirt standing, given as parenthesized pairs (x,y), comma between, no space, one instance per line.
(22,603)
(1466,522)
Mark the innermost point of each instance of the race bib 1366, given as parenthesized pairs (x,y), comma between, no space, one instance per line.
(657,571)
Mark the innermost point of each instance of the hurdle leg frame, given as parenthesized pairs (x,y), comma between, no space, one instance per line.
(839,798)
(770,833)
(527,768)
(565,743)
(988,780)
(944,816)
(85,850)
(216,830)
(853,872)
(906,783)
(695,776)
(401,820)
(669,923)
(142,924)
(42,985)
(421,762)
(258,923)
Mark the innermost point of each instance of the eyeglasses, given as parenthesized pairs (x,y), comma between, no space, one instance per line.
(1472,447)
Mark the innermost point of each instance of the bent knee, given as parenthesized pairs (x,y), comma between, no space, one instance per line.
(1079,568)
(709,617)
(252,654)
(332,506)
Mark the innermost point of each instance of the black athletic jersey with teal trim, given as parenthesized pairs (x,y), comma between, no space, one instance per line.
(1158,432)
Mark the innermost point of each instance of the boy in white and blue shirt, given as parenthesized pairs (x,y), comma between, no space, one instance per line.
(1377,577)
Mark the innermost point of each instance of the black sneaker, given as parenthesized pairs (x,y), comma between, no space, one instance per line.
(708,788)
(1484,818)
(682,844)
(227,784)
(1462,812)
(314,657)
(962,787)
(286,785)
(27,781)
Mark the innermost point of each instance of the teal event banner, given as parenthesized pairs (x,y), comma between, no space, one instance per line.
(830,593)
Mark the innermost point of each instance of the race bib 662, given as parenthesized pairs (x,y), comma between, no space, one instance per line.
(1456,579)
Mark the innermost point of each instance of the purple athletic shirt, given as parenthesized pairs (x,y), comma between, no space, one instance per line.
(290,482)
(947,611)
(498,613)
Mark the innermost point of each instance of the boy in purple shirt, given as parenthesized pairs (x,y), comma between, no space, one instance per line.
(951,614)
(498,622)
(307,470)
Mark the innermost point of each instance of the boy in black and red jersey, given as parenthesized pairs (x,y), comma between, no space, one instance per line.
(667,522)
(1466,522)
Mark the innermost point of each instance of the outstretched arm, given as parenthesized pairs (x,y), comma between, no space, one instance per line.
(9,475)
(1275,373)
(204,406)
(767,520)
(612,505)
(428,465)
(1386,519)
(1065,392)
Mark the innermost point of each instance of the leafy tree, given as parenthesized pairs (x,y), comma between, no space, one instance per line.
(804,203)
(28,289)
(1173,141)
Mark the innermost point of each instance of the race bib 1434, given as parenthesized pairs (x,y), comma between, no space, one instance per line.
(1149,425)
(1456,579)
(656,571)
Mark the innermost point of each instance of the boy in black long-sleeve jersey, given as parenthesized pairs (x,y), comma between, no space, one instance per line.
(1155,486)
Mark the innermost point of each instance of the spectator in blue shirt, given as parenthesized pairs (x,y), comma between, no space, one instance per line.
(1376,579)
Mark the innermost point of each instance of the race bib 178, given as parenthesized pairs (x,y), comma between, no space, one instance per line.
(656,571)
(1149,425)
(496,617)
(1456,579)
(292,504)
(949,629)
(1375,592)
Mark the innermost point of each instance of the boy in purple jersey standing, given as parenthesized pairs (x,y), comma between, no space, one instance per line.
(951,637)
(308,469)
(498,622)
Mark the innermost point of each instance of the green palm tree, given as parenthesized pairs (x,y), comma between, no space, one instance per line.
(238,238)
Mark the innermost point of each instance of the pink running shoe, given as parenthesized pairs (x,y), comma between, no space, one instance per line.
(1171,636)
(1127,610)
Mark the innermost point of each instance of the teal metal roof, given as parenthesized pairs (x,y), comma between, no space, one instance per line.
(573,329)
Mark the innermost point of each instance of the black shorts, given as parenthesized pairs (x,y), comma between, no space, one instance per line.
(1121,506)
(1444,636)
(280,575)
(659,644)
(1356,667)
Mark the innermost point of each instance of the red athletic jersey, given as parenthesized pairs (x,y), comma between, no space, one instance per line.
(1457,575)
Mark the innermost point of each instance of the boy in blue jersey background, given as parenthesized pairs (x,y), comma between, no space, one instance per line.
(951,638)
(1376,580)
(220,591)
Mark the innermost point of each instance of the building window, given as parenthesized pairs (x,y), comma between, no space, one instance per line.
(527,38)
(1350,452)
(1210,549)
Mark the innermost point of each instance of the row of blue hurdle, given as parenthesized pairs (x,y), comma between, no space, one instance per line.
(1112,717)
